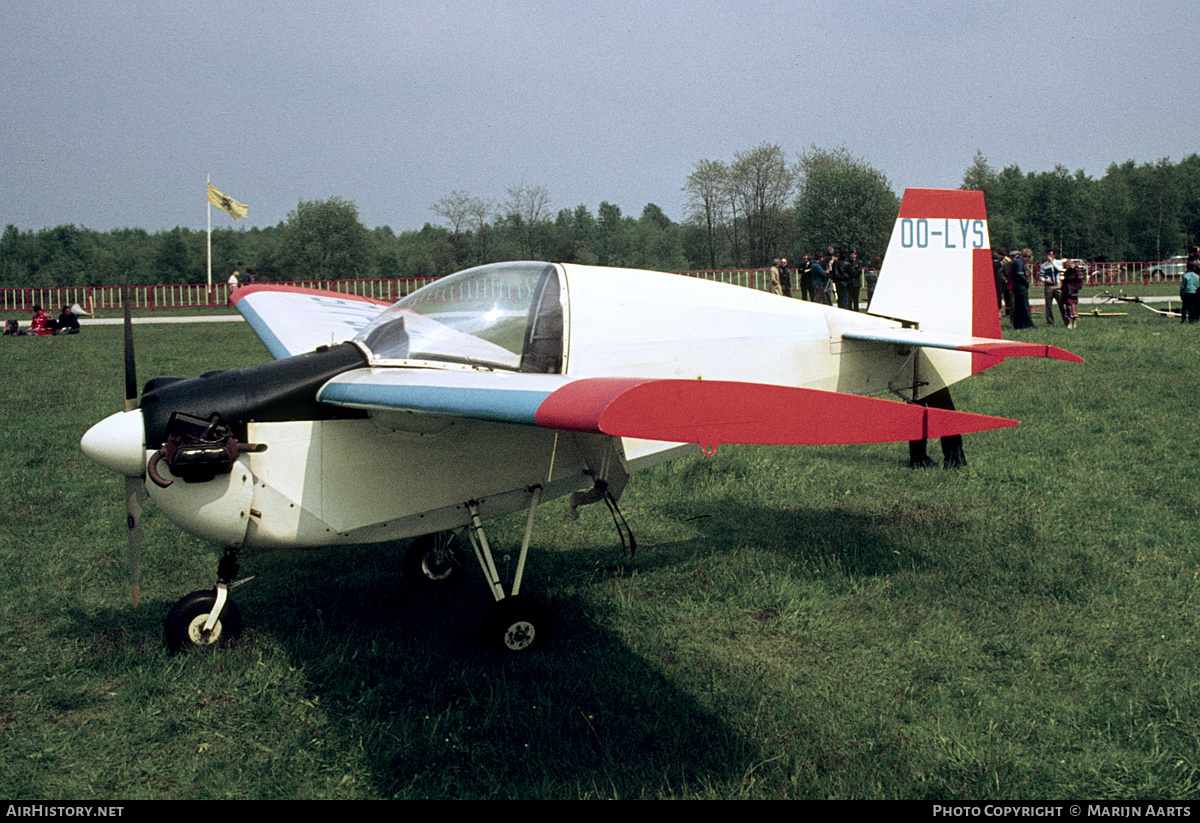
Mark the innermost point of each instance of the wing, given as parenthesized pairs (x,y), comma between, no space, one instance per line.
(707,412)
(292,320)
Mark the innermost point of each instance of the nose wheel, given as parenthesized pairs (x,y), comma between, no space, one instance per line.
(187,624)
(206,617)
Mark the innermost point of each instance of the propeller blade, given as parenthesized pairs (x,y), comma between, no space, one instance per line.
(133,519)
(131,388)
(133,485)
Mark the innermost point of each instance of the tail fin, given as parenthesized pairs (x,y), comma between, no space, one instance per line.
(938,269)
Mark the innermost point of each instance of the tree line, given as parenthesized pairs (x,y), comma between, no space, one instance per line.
(740,213)
(1134,212)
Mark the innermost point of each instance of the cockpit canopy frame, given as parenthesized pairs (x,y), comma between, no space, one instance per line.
(501,316)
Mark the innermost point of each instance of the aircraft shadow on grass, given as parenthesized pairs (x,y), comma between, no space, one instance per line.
(438,714)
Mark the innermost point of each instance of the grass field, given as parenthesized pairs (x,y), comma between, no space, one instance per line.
(797,622)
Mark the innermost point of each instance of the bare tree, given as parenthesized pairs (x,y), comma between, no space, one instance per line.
(708,201)
(460,209)
(526,208)
(530,203)
(762,183)
(479,212)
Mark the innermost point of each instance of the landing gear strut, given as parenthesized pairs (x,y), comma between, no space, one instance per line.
(514,623)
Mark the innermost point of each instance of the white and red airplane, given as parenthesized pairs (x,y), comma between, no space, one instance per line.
(501,386)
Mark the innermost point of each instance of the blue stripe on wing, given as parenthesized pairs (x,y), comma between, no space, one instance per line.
(498,405)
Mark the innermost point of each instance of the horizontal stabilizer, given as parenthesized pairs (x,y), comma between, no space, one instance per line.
(711,412)
(976,345)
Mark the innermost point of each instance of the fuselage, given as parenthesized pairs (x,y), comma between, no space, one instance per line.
(328,478)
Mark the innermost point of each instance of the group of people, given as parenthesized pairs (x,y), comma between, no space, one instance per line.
(826,279)
(40,324)
(1061,281)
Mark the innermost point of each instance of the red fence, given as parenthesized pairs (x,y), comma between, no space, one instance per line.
(104,298)
(108,298)
(1158,271)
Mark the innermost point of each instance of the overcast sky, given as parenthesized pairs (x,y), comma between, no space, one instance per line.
(115,111)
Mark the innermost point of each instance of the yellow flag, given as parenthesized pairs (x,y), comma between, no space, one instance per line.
(226,203)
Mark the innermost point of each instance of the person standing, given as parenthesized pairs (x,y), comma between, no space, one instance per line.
(1072,282)
(1050,272)
(233,284)
(872,277)
(819,280)
(1189,293)
(1004,281)
(785,278)
(839,272)
(806,286)
(773,284)
(1022,317)
(854,277)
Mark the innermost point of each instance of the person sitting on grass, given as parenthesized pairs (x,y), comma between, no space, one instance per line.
(38,325)
(68,323)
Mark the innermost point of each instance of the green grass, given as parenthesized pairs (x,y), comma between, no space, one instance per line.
(796,623)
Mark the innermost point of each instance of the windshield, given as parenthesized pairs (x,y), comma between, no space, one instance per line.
(504,315)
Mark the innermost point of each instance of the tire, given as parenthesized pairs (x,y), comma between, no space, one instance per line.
(182,628)
(515,625)
(435,558)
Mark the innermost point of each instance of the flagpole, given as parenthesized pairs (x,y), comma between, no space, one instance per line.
(208,208)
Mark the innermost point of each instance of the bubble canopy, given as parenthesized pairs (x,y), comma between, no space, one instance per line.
(501,316)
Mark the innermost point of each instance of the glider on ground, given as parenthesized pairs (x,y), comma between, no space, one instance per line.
(491,390)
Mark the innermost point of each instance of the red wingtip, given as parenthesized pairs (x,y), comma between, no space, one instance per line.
(1017,348)
(943,423)
(1062,354)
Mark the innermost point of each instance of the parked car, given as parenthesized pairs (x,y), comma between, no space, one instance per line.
(1171,269)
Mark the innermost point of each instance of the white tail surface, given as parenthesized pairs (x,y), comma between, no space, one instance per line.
(938,275)
(938,269)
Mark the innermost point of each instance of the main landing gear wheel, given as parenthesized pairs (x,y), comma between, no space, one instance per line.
(515,624)
(434,558)
(184,626)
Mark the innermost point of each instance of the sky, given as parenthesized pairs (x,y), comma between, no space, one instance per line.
(115,113)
